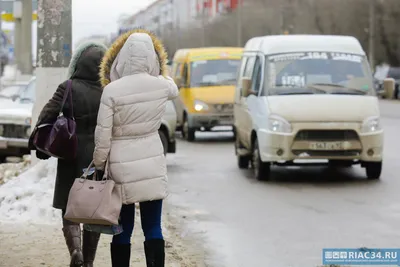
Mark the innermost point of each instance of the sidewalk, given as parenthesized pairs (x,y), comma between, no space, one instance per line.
(31,235)
(33,245)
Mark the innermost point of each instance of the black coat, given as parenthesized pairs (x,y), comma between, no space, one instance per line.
(86,94)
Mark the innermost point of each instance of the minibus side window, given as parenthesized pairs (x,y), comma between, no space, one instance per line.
(178,70)
(256,78)
(248,71)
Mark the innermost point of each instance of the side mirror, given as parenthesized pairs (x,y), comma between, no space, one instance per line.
(246,87)
(388,87)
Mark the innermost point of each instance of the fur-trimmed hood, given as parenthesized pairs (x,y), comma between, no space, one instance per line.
(86,60)
(133,52)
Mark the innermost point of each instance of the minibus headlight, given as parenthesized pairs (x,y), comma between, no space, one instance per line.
(279,125)
(200,105)
(371,124)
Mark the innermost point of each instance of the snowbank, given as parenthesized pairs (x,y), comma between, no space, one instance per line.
(28,197)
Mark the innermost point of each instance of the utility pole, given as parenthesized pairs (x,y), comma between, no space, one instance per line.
(239,22)
(26,38)
(371,33)
(54,48)
(17,13)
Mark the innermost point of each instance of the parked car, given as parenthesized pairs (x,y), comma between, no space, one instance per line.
(306,98)
(15,123)
(12,91)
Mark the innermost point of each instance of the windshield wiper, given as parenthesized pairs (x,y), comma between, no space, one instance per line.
(207,83)
(343,90)
(328,84)
(26,99)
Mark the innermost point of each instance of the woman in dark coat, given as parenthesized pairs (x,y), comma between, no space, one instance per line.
(86,94)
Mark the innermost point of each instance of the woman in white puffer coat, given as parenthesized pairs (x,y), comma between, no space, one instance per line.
(132,105)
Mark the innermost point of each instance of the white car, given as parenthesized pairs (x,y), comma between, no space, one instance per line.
(15,120)
(15,123)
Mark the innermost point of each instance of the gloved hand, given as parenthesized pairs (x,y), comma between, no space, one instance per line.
(41,155)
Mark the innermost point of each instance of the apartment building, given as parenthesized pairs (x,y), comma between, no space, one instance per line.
(166,15)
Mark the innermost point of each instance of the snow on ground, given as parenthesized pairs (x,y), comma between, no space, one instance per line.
(28,197)
(10,170)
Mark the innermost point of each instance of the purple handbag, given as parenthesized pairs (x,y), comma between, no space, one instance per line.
(58,139)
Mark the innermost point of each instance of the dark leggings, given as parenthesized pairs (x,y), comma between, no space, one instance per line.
(150,216)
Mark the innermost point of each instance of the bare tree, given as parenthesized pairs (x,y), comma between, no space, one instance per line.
(267,17)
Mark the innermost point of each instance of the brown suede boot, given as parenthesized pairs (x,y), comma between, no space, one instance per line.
(72,234)
(90,241)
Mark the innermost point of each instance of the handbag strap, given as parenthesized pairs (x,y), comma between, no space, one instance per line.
(68,95)
(86,173)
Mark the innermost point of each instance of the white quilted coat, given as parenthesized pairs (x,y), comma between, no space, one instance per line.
(130,113)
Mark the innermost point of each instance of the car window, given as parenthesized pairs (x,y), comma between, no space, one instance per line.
(248,70)
(214,72)
(178,70)
(256,79)
(27,94)
(11,91)
(330,72)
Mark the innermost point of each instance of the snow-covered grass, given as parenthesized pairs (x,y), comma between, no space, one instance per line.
(11,170)
(28,197)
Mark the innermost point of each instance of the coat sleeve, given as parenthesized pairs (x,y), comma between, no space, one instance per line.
(49,114)
(172,88)
(103,133)
(51,110)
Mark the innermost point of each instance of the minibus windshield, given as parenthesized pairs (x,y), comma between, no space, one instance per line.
(319,72)
(213,72)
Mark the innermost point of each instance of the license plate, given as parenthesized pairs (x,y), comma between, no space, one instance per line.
(326,146)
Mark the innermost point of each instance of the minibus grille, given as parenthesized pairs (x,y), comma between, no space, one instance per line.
(225,108)
(326,135)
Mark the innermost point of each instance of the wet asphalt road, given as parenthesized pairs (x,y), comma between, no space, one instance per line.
(287,221)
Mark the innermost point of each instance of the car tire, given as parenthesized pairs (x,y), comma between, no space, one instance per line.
(164,141)
(262,170)
(187,132)
(373,170)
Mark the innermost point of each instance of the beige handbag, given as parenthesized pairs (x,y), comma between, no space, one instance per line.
(94,202)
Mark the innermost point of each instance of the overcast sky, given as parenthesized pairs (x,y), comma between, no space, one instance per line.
(101,16)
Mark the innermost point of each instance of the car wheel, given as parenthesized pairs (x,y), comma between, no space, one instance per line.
(373,170)
(164,141)
(188,132)
(262,170)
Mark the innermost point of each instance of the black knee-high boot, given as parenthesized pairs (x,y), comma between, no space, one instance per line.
(155,253)
(120,255)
